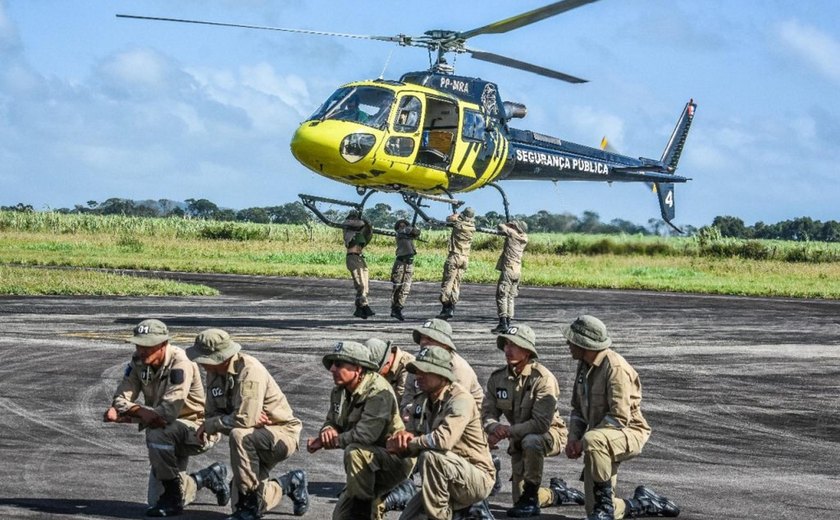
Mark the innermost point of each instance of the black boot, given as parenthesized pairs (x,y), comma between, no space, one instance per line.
(398,497)
(647,502)
(367,312)
(396,312)
(604,509)
(296,487)
(528,504)
(497,486)
(564,494)
(503,326)
(248,507)
(214,478)
(359,313)
(479,511)
(447,312)
(171,502)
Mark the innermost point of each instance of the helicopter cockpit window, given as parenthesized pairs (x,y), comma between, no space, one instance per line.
(473,125)
(408,115)
(367,105)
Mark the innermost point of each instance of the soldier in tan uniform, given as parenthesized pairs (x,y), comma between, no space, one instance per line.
(357,234)
(171,414)
(362,414)
(525,392)
(437,332)
(245,403)
(403,270)
(392,362)
(510,270)
(460,242)
(606,425)
(444,432)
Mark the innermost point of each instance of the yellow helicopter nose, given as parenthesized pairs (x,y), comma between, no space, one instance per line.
(335,149)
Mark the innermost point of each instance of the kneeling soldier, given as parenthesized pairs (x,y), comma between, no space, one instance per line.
(606,425)
(363,413)
(526,393)
(171,415)
(444,431)
(245,403)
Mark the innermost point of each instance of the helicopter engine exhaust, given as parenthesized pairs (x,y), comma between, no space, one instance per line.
(514,110)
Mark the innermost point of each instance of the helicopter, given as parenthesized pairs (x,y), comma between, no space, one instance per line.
(432,134)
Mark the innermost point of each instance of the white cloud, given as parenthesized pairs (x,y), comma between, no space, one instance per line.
(9,39)
(137,69)
(814,47)
(588,121)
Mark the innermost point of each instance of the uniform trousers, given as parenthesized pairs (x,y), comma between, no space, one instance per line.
(371,473)
(401,274)
(450,483)
(507,289)
(359,274)
(527,459)
(253,454)
(603,450)
(170,449)
(453,272)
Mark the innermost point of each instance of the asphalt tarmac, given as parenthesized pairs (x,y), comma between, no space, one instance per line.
(743,394)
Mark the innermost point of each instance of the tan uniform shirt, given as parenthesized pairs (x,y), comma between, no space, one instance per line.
(235,399)
(528,401)
(173,390)
(367,416)
(405,241)
(460,240)
(398,373)
(511,257)
(607,394)
(452,423)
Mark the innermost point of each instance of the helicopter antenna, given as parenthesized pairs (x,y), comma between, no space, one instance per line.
(387,61)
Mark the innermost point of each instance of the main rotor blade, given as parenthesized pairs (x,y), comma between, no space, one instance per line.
(521,65)
(521,20)
(401,39)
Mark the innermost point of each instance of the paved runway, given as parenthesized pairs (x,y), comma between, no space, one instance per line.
(743,394)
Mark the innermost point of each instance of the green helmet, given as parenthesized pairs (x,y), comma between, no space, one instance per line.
(213,347)
(433,360)
(521,336)
(437,329)
(350,352)
(588,332)
(378,351)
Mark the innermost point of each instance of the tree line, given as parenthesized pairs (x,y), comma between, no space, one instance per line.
(382,215)
(802,229)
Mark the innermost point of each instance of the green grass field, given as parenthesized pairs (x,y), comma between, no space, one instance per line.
(697,265)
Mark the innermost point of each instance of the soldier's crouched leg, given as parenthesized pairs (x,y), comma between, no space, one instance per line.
(450,483)
(168,456)
(603,450)
(371,473)
(535,448)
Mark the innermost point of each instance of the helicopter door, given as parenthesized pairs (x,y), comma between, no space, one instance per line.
(439,131)
(403,142)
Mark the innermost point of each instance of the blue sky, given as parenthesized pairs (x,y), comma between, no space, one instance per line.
(92,106)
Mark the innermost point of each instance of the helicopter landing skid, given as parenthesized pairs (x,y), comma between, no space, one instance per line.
(311,202)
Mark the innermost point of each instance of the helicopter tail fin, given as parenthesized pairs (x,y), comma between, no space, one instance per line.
(672,152)
(665,193)
(670,158)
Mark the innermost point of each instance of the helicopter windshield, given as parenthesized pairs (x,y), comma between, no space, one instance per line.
(367,105)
